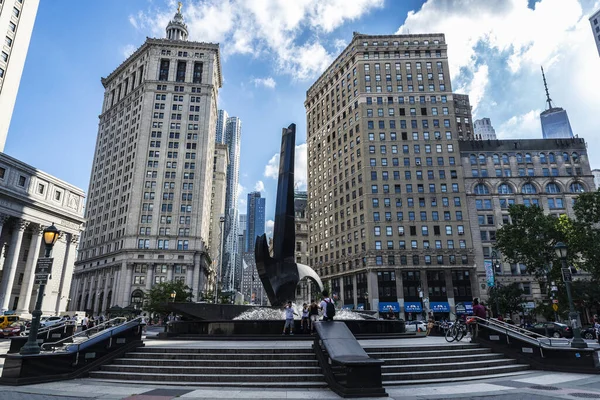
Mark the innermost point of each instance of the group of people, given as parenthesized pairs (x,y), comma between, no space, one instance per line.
(310,314)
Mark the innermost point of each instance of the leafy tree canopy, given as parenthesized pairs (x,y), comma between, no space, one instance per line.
(506,299)
(159,296)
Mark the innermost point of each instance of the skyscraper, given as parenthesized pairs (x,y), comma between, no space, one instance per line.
(386,199)
(148,206)
(229,129)
(16,20)
(595,22)
(554,120)
(596,174)
(255,217)
(484,130)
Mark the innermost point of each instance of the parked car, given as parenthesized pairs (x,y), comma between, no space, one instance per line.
(13,329)
(416,326)
(50,321)
(588,333)
(552,329)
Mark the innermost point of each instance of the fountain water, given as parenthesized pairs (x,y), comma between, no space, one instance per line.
(272,314)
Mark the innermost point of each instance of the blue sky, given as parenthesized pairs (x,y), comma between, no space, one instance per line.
(273,50)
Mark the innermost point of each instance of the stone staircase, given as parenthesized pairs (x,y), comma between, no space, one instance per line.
(249,367)
(442,363)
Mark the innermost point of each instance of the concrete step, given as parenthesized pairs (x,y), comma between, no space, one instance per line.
(208,378)
(449,375)
(212,363)
(234,350)
(286,356)
(446,367)
(443,360)
(480,379)
(175,382)
(180,369)
(416,347)
(436,354)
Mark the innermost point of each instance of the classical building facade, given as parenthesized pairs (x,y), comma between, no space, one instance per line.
(498,173)
(596,173)
(484,130)
(304,291)
(17,18)
(148,210)
(386,198)
(595,23)
(31,200)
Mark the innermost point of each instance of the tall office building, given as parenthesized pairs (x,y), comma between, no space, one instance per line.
(386,201)
(554,120)
(255,217)
(16,24)
(239,263)
(303,291)
(464,117)
(484,130)
(229,132)
(217,205)
(148,207)
(595,22)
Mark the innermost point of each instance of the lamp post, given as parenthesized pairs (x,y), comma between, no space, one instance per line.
(495,265)
(561,252)
(50,236)
(173,295)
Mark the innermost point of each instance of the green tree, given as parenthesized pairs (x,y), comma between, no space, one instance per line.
(530,239)
(159,296)
(584,235)
(508,298)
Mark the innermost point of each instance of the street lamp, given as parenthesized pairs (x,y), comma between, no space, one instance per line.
(173,295)
(561,252)
(496,265)
(50,236)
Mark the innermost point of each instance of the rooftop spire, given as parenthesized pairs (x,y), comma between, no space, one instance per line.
(548,99)
(177,29)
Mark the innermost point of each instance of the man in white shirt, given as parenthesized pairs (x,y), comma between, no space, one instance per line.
(289,318)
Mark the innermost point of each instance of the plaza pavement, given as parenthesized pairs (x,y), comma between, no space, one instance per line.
(530,385)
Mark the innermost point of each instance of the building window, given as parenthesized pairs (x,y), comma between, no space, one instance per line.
(41,188)
(198,67)
(163,74)
(181,65)
(22,181)
(57,195)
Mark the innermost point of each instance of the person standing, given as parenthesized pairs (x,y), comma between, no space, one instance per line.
(84,323)
(305,318)
(430,326)
(289,318)
(314,315)
(327,306)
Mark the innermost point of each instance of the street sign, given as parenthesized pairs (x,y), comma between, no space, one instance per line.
(555,301)
(555,307)
(554,288)
(460,308)
(41,279)
(44,265)
(566,274)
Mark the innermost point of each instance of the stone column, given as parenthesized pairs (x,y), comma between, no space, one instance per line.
(149,276)
(354,289)
(105,291)
(450,291)
(29,275)
(8,277)
(400,292)
(121,285)
(189,277)
(196,276)
(425,289)
(341,294)
(115,287)
(127,290)
(62,298)
(3,219)
(373,290)
(170,272)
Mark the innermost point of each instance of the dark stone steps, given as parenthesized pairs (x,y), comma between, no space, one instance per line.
(446,367)
(202,378)
(211,363)
(220,356)
(449,375)
(188,370)
(408,353)
(258,350)
(443,360)
(268,385)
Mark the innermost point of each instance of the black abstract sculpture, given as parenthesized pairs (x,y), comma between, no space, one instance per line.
(280,274)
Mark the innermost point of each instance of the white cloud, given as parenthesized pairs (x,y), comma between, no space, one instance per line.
(128,50)
(300,167)
(266,82)
(272,28)
(269,227)
(242,200)
(259,186)
(525,126)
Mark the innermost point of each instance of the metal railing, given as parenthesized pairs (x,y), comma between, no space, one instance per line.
(48,329)
(87,334)
(517,332)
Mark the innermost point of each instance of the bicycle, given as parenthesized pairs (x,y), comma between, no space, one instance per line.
(457,331)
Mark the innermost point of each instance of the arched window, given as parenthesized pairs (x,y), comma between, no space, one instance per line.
(566,157)
(505,188)
(505,158)
(576,187)
(519,157)
(496,159)
(137,297)
(473,159)
(482,159)
(552,188)
(481,189)
(543,158)
(551,157)
(528,158)
(528,188)
(575,157)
